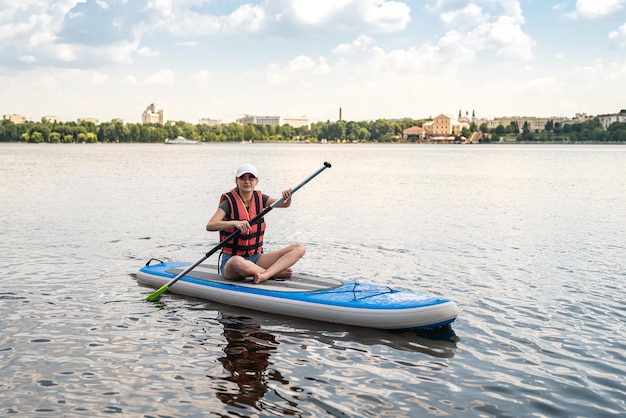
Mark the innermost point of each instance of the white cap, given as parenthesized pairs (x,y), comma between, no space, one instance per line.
(246,168)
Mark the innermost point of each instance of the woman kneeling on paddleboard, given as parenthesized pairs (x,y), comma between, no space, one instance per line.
(243,256)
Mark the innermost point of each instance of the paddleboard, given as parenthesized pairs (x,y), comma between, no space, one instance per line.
(307,296)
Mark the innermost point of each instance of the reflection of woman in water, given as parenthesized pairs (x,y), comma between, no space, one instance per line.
(246,358)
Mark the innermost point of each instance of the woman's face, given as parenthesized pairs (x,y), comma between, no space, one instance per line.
(246,181)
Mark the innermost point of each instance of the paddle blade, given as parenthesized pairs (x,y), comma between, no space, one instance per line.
(155,296)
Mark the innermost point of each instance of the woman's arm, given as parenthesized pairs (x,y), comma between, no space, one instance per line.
(217,222)
(286,200)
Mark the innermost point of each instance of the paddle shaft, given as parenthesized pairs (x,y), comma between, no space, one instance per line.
(155,296)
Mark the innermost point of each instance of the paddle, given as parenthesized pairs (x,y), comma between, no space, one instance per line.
(155,296)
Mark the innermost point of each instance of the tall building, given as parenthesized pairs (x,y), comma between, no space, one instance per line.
(153,114)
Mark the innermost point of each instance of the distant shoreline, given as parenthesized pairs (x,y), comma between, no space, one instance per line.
(332,143)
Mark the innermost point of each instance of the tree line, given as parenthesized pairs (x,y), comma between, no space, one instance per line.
(68,132)
(587,131)
(381,130)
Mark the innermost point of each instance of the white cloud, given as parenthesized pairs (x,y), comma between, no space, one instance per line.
(362,59)
(386,16)
(188,43)
(275,75)
(358,50)
(33,28)
(40,39)
(322,68)
(300,63)
(482,33)
(119,53)
(48,81)
(86,33)
(63,52)
(471,15)
(402,61)
(300,69)
(542,85)
(28,59)
(601,72)
(147,52)
(163,7)
(202,79)
(437,6)
(314,13)
(594,9)
(375,15)
(99,78)
(247,18)
(461,47)
(619,35)
(361,43)
(515,44)
(131,79)
(165,77)
(11,30)
(475,31)
(102,4)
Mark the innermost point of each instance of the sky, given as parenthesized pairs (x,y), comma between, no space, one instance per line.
(372,59)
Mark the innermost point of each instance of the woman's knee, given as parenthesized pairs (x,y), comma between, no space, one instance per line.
(299,249)
(236,262)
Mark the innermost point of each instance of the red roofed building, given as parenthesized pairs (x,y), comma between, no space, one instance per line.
(414,133)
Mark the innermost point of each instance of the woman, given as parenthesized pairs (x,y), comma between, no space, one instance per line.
(243,256)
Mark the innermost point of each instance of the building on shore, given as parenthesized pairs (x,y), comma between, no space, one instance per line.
(607,120)
(95,121)
(414,134)
(535,124)
(444,128)
(15,118)
(153,114)
(51,119)
(581,117)
(294,122)
(209,122)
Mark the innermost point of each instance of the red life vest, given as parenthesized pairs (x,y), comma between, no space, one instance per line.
(252,242)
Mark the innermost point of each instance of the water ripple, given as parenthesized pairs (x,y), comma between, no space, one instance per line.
(517,236)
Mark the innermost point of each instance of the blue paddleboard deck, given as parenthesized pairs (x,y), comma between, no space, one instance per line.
(307,296)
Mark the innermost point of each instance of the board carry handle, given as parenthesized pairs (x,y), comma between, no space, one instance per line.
(155,296)
(153,259)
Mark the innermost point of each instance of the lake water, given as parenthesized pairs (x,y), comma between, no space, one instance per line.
(527,240)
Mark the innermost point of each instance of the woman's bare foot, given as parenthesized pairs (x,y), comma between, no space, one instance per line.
(261,277)
(285,274)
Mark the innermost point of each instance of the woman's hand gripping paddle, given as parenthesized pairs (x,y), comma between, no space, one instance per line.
(155,296)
